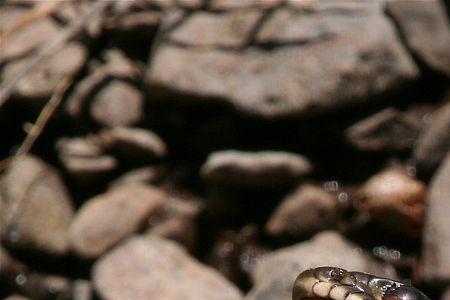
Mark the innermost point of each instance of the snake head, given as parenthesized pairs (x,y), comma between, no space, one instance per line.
(404,293)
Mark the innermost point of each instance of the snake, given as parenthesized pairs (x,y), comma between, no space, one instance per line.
(339,284)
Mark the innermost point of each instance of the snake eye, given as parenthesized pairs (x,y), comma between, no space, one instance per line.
(404,293)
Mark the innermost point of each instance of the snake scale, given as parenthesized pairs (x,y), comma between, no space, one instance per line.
(339,284)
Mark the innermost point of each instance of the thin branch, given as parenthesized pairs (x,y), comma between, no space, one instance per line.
(47,49)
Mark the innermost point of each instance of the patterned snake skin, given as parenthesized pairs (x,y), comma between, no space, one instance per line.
(339,284)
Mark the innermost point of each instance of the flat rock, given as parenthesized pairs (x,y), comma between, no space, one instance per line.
(105,220)
(28,38)
(434,142)
(436,243)
(260,169)
(134,143)
(232,29)
(40,84)
(277,271)
(306,210)
(387,130)
(395,200)
(416,21)
(154,268)
(38,209)
(341,59)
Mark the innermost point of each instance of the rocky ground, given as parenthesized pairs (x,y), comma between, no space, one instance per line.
(214,149)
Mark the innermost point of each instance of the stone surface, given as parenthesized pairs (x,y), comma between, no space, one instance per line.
(308,209)
(344,59)
(436,244)
(154,268)
(177,221)
(277,271)
(387,130)
(237,4)
(106,219)
(232,29)
(426,28)
(38,209)
(395,200)
(145,175)
(117,104)
(28,38)
(434,142)
(134,143)
(84,159)
(42,82)
(260,169)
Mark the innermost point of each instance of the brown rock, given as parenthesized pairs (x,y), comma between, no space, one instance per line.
(117,104)
(177,221)
(145,175)
(105,220)
(84,160)
(153,268)
(38,208)
(16,297)
(260,169)
(387,130)
(276,272)
(237,4)
(134,143)
(436,243)
(307,210)
(434,142)
(308,76)
(425,26)
(41,83)
(28,38)
(231,29)
(395,200)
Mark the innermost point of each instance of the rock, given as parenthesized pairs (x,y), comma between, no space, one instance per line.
(40,84)
(82,290)
(446,295)
(273,80)
(190,4)
(232,29)
(136,144)
(237,4)
(117,69)
(394,200)
(436,242)
(177,221)
(9,267)
(277,271)
(118,103)
(255,169)
(145,175)
(38,208)
(425,26)
(16,297)
(387,130)
(28,38)
(309,209)
(84,159)
(154,268)
(107,219)
(434,142)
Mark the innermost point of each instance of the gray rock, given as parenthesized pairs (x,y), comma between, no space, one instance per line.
(154,268)
(232,29)
(307,210)
(436,242)
(257,169)
(425,26)
(394,200)
(134,143)
(275,275)
(105,220)
(318,71)
(387,130)
(434,142)
(38,209)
